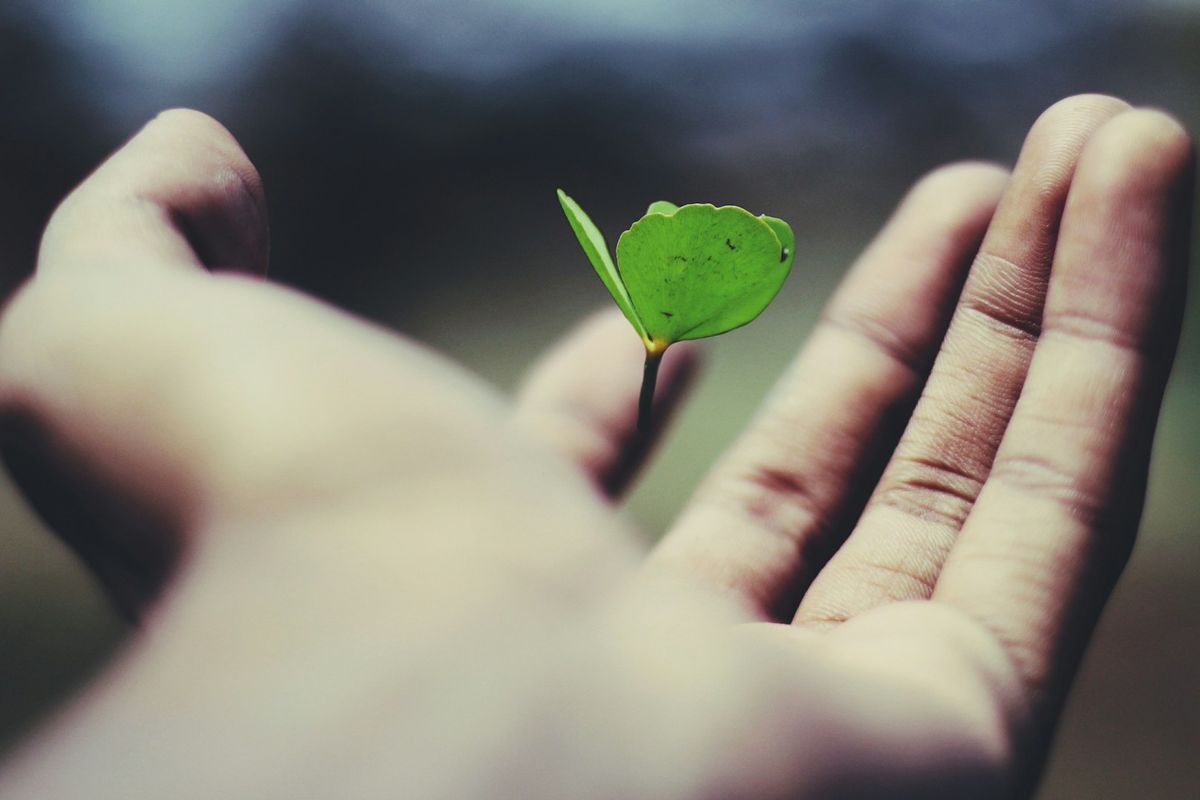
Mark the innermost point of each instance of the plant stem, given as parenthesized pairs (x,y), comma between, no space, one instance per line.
(646,399)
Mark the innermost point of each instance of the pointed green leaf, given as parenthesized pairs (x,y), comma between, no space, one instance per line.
(662,207)
(594,246)
(702,270)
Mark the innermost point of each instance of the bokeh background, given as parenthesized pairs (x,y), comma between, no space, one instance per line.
(411,150)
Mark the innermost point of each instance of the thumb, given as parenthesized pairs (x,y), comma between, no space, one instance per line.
(181,191)
(179,196)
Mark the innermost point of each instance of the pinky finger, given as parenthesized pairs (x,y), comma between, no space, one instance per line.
(1056,519)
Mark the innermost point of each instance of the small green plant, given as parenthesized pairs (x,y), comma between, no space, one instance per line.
(687,272)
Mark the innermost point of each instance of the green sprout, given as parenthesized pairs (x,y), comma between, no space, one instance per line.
(687,272)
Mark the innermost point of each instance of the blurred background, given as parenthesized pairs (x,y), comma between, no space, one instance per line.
(411,149)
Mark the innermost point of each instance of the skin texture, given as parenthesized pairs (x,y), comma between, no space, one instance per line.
(359,573)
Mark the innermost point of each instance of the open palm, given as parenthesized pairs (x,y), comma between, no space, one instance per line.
(362,574)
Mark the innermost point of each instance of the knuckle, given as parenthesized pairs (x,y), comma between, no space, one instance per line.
(1044,477)
(780,500)
(1089,327)
(898,579)
(65,342)
(80,315)
(30,315)
(1002,300)
(929,488)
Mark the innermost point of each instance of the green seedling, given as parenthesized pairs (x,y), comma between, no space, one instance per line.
(687,272)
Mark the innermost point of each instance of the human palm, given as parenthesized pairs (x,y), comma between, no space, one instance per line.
(360,573)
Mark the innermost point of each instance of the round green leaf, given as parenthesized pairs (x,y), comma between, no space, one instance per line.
(702,270)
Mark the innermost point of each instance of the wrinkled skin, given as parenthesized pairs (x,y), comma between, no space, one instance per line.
(359,573)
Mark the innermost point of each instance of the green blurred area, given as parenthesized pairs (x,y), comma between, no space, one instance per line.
(371,178)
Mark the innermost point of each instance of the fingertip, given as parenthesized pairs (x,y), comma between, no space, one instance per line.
(969,179)
(955,199)
(192,121)
(1051,150)
(180,190)
(607,328)
(1137,150)
(1126,233)
(580,399)
(1076,111)
(922,255)
(606,335)
(230,221)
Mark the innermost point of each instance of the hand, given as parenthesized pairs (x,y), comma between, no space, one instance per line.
(362,574)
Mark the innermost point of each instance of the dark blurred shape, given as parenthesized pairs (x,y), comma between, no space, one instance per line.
(51,135)
(385,184)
